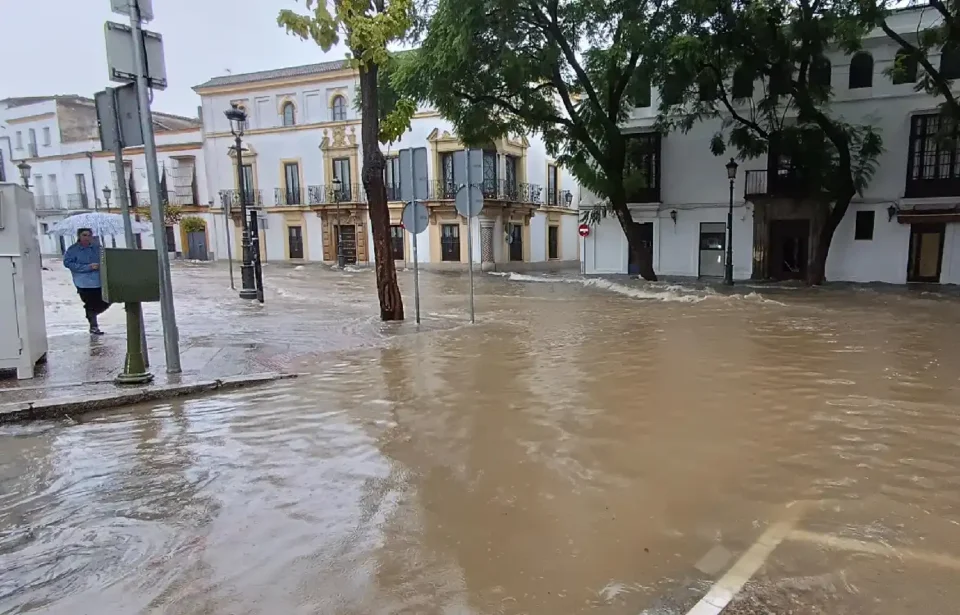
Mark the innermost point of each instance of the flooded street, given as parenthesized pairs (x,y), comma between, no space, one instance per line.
(589,446)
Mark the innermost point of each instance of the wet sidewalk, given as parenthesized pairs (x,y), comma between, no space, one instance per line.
(220,334)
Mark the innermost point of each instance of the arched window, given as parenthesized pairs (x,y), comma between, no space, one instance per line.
(289,114)
(950,61)
(821,72)
(904,68)
(743,79)
(339,107)
(861,70)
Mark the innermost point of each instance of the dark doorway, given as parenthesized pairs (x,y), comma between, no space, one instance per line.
(170,239)
(926,252)
(646,247)
(450,243)
(63,245)
(347,235)
(295,242)
(197,246)
(789,249)
(516,242)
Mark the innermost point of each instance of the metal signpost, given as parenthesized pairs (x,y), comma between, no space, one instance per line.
(131,276)
(226,223)
(469,202)
(135,55)
(583,230)
(415,217)
(118,115)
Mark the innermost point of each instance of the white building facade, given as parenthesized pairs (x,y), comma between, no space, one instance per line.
(57,136)
(903,229)
(302,137)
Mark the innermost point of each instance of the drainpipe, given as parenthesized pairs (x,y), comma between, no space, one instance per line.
(93,178)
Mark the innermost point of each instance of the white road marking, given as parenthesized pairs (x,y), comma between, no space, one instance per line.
(733,581)
(860,546)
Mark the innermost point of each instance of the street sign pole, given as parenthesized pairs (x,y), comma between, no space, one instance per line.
(470,240)
(416,261)
(171,342)
(226,224)
(134,311)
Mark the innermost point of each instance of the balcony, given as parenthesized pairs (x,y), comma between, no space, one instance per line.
(143,199)
(493,190)
(283,197)
(327,194)
(563,198)
(231,198)
(51,202)
(78,201)
(933,158)
(393,192)
(785,183)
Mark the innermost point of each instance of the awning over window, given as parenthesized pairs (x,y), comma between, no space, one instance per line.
(928,216)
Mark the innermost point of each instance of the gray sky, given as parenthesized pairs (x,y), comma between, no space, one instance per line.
(57,47)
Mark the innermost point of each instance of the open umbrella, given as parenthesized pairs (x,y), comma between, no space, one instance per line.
(101,224)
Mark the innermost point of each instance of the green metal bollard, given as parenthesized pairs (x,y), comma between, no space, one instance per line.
(134,368)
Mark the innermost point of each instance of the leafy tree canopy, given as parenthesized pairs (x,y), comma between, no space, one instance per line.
(368,28)
(570,71)
(761,69)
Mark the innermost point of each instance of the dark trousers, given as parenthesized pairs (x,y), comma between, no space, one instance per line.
(93,303)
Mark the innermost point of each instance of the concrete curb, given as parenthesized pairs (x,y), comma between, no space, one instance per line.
(59,407)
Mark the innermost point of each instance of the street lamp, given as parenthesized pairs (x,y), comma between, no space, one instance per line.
(238,120)
(337,192)
(106,196)
(728,270)
(24,173)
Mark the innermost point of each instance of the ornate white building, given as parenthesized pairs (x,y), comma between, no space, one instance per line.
(903,229)
(302,133)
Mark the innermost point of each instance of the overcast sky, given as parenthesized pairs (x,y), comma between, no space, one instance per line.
(57,47)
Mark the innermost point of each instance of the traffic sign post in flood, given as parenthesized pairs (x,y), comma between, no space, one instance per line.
(414,189)
(415,219)
(469,202)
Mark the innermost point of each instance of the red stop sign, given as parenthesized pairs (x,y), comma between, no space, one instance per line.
(584,230)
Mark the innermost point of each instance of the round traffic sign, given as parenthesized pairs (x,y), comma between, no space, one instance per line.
(584,230)
(415,217)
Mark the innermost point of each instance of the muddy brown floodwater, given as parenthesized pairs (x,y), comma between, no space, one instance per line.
(587,447)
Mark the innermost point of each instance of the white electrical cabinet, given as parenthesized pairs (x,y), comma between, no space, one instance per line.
(23,327)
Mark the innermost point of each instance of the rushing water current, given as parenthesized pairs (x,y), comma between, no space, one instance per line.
(580,449)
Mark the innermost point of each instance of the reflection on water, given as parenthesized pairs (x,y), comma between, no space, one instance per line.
(576,451)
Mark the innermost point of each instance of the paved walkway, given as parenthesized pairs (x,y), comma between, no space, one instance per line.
(220,334)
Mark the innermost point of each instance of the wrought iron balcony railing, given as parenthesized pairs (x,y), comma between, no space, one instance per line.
(328,194)
(231,198)
(494,190)
(49,202)
(79,201)
(287,196)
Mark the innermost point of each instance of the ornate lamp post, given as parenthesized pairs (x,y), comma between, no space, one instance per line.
(728,269)
(337,195)
(106,196)
(238,120)
(24,169)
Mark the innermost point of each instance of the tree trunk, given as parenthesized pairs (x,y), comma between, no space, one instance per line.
(817,272)
(388,291)
(639,250)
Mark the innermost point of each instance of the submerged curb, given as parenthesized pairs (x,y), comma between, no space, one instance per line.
(60,407)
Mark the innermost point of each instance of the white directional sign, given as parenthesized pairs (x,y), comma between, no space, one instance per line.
(120,58)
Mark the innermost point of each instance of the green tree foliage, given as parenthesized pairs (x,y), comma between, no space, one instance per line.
(937,29)
(759,70)
(367,27)
(571,71)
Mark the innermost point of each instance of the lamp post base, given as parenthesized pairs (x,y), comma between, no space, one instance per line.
(248,293)
(128,379)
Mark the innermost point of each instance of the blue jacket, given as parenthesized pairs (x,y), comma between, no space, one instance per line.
(78,260)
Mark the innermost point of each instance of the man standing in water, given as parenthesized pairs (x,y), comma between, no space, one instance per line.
(83,261)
